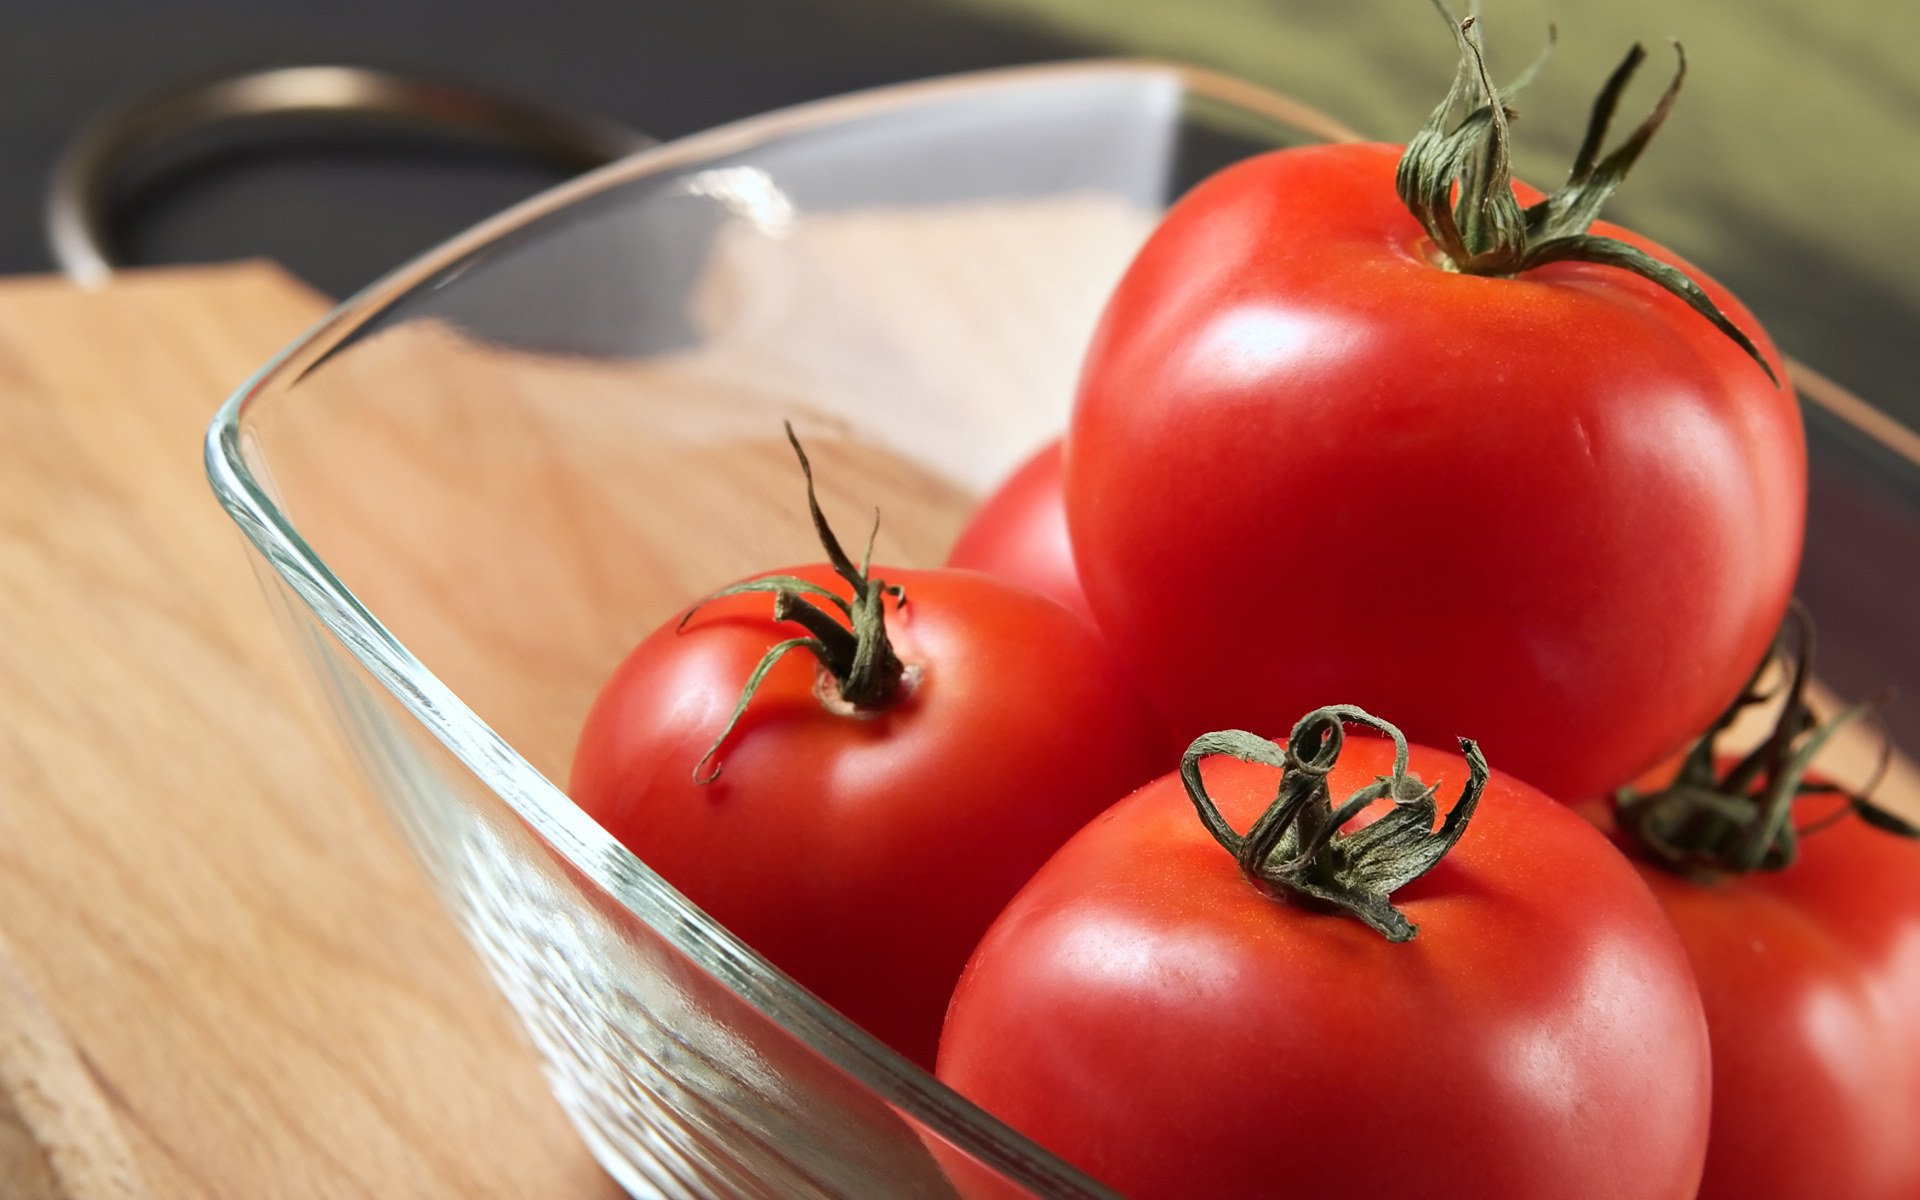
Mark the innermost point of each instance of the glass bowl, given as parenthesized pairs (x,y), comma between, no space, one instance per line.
(481,481)
(477,484)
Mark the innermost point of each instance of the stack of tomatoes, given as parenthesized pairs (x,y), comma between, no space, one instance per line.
(1376,451)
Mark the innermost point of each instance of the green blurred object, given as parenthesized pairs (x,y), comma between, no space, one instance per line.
(1790,169)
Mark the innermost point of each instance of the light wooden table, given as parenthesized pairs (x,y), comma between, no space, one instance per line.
(220,973)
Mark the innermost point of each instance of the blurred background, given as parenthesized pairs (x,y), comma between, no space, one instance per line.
(1790,170)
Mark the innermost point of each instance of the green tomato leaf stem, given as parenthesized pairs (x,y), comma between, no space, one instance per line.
(1297,848)
(861,673)
(1457,181)
(1716,820)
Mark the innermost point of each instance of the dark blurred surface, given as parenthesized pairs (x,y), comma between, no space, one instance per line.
(339,205)
(1790,169)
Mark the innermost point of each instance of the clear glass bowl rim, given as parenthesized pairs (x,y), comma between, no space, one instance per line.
(542,805)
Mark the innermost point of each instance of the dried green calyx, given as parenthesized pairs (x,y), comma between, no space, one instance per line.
(1458,182)
(1297,849)
(1716,819)
(857,661)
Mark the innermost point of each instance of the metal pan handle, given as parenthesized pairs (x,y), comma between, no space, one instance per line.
(77,213)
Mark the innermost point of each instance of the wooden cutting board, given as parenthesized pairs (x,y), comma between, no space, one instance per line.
(220,973)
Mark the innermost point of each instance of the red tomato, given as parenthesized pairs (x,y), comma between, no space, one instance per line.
(1811,981)
(865,849)
(1161,1021)
(1020,533)
(1559,508)
(1806,946)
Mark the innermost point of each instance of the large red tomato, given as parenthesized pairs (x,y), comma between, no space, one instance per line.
(1020,533)
(1153,1014)
(1806,946)
(864,845)
(1314,454)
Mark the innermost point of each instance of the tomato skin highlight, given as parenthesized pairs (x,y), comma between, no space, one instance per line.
(866,854)
(1560,511)
(1019,533)
(1146,1012)
(1810,976)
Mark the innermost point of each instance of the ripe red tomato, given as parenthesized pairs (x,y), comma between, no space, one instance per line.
(1557,507)
(1811,981)
(1155,1017)
(865,848)
(1020,533)
(1806,946)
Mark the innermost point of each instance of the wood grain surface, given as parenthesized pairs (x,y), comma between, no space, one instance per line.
(257,995)
(58,1139)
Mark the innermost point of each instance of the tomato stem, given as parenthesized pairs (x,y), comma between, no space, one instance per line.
(857,656)
(1298,849)
(1714,820)
(1478,226)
